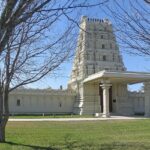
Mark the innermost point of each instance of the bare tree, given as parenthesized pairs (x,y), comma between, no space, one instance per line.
(33,42)
(132,25)
(25,60)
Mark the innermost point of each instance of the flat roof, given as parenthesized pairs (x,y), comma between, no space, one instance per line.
(119,77)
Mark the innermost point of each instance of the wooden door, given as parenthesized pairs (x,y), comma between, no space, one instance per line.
(110,99)
(101,97)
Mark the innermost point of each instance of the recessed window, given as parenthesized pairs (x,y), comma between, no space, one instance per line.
(104,58)
(102,36)
(87,70)
(60,104)
(18,102)
(103,46)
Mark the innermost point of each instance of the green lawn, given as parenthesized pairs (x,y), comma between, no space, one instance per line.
(49,116)
(97,135)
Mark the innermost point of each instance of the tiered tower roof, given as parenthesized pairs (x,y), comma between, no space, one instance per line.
(97,50)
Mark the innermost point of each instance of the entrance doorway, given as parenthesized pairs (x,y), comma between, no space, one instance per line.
(101,98)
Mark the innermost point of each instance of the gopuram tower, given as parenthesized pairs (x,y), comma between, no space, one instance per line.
(97,50)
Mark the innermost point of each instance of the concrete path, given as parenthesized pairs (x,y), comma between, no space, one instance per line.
(81,119)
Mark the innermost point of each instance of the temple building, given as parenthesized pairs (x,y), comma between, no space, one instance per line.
(98,81)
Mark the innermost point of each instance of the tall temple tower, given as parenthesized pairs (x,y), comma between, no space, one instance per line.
(96,50)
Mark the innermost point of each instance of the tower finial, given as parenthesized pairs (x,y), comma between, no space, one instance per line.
(83,18)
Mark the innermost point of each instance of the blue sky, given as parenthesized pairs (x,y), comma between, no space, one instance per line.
(132,62)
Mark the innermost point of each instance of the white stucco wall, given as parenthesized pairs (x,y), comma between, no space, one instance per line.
(138,101)
(41,101)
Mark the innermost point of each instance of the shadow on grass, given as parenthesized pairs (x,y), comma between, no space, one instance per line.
(31,146)
(124,146)
(74,145)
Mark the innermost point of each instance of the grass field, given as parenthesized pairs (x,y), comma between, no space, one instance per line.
(49,116)
(97,135)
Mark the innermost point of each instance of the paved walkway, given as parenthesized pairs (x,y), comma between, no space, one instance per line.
(81,119)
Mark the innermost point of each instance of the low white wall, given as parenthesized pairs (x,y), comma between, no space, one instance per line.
(138,100)
(131,104)
(41,101)
(124,106)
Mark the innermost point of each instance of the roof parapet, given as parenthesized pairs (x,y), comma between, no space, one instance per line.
(85,18)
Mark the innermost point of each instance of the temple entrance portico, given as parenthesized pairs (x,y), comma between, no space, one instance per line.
(113,93)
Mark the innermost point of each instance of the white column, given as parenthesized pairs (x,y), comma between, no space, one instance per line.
(105,88)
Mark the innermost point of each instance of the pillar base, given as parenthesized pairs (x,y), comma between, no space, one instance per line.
(106,115)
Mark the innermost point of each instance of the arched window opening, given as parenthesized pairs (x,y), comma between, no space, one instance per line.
(104,58)
(103,46)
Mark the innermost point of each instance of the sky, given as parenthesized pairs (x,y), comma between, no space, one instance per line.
(132,62)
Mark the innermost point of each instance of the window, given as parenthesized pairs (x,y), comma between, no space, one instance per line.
(103,46)
(87,70)
(18,102)
(104,58)
(102,36)
(60,104)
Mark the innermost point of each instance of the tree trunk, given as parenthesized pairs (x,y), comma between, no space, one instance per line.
(2,133)
(2,127)
(4,113)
